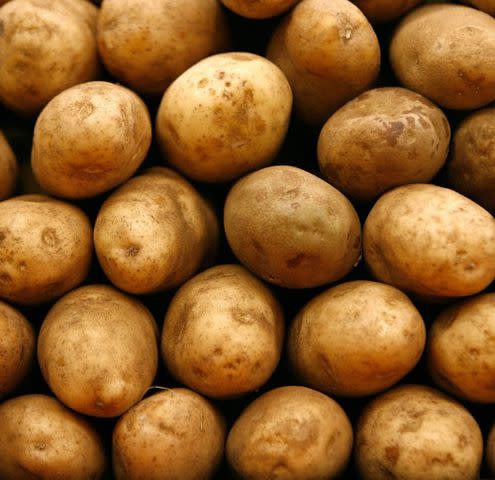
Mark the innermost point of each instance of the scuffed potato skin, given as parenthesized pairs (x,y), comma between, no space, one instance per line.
(381,11)
(259,8)
(8,169)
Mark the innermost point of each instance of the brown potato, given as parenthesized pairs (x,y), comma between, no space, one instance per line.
(379,11)
(8,169)
(45,248)
(174,434)
(148,43)
(430,241)
(414,432)
(89,139)
(490,450)
(154,232)
(293,433)
(384,138)
(356,339)
(97,350)
(259,8)
(487,6)
(223,333)
(447,53)
(329,53)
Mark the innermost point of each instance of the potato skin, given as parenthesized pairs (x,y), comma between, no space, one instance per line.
(490,450)
(487,6)
(89,139)
(293,433)
(97,350)
(447,53)
(45,248)
(430,241)
(414,432)
(259,9)
(174,434)
(225,116)
(384,138)
(380,11)
(8,169)
(40,438)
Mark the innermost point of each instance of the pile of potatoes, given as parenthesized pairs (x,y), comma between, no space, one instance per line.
(247,239)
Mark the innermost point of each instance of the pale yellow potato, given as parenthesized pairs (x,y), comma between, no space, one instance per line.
(148,43)
(430,241)
(97,350)
(45,248)
(290,433)
(379,11)
(487,6)
(329,53)
(356,339)
(225,116)
(414,432)
(446,52)
(174,434)
(291,228)
(490,450)
(46,47)
(223,333)
(154,232)
(259,8)
(89,139)
(42,439)
(384,138)
(8,169)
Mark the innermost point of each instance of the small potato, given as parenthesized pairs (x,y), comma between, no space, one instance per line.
(382,139)
(379,11)
(97,350)
(447,53)
(260,8)
(223,333)
(329,53)
(356,339)
(292,228)
(174,434)
(414,432)
(42,439)
(291,433)
(487,6)
(148,43)
(430,241)
(154,232)
(8,169)
(225,116)
(490,450)
(45,248)
(89,139)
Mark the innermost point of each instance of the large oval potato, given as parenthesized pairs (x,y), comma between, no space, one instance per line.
(379,11)
(259,8)
(8,169)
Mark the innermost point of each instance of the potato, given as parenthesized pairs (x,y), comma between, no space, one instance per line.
(260,8)
(329,53)
(45,48)
(89,139)
(379,11)
(490,450)
(45,248)
(292,228)
(154,232)
(430,241)
(461,357)
(148,43)
(42,439)
(225,116)
(356,339)
(17,341)
(97,350)
(382,139)
(223,333)
(416,432)
(487,6)
(293,433)
(471,170)
(174,434)
(447,53)
(8,169)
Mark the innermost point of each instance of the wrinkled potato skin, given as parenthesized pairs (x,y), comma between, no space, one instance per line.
(148,43)
(293,433)
(108,372)
(430,241)
(223,333)
(45,248)
(447,53)
(8,169)
(90,139)
(487,6)
(174,434)
(384,138)
(414,432)
(380,11)
(154,232)
(42,439)
(490,450)
(329,352)
(329,53)
(224,117)
(292,228)
(259,9)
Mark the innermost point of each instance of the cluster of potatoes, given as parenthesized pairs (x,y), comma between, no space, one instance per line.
(247,239)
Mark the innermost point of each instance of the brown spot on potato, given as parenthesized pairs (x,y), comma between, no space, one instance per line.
(258,247)
(203,83)
(199,372)
(132,250)
(49,237)
(296,261)
(241,57)
(5,278)
(392,132)
(392,454)
(249,317)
